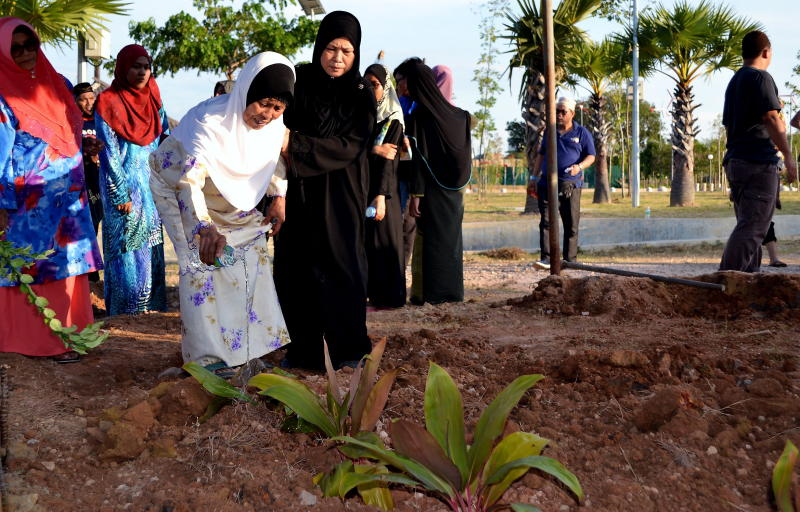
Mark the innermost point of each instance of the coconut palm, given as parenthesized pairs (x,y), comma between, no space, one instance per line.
(688,42)
(525,31)
(601,65)
(60,22)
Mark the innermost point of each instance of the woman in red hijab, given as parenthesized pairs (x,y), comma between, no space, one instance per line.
(131,121)
(43,203)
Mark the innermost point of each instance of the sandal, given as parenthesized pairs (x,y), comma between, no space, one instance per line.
(67,357)
(778,264)
(221,370)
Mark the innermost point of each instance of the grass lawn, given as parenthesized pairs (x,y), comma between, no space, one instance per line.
(508,206)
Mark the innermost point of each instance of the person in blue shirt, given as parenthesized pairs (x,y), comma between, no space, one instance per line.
(575,149)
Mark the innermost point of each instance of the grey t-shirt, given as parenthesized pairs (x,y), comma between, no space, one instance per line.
(751,93)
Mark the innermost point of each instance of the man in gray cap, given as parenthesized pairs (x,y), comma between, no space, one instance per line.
(575,152)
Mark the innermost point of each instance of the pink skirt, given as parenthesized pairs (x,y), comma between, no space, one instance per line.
(22,329)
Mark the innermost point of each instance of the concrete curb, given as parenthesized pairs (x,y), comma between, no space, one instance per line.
(482,236)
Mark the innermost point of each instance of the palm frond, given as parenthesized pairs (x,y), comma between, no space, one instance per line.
(60,22)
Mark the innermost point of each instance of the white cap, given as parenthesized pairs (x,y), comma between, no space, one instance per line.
(567,102)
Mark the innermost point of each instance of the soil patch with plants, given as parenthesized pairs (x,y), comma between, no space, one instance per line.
(657,397)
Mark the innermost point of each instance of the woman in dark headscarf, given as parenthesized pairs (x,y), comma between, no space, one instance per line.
(386,284)
(440,134)
(130,121)
(320,262)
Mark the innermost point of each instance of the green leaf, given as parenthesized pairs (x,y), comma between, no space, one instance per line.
(782,478)
(414,442)
(356,452)
(444,417)
(214,384)
(524,507)
(376,401)
(423,475)
(48,313)
(69,330)
(544,464)
(41,302)
(298,396)
(493,420)
(376,493)
(294,424)
(331,483)
(514,446)
(213,408)
(17,263)
(55,324)
(26,279)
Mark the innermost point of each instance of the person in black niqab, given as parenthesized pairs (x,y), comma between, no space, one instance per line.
(441,142)
(320,262)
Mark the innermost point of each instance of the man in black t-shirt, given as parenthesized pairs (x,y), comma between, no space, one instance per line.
(752,119)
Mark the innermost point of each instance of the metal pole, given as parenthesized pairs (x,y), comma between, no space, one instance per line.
(635,149)
(654,277)
(552,156)
(83,72)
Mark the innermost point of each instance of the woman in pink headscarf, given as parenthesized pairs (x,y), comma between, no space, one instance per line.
(444,81)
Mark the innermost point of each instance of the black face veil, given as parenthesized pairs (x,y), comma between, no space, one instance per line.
(442,130)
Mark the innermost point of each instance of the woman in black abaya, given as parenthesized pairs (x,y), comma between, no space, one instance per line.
(386,284)
(440,134)
(320,262)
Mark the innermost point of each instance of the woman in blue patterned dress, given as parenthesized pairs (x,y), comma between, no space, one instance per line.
(42,200)
(130,120)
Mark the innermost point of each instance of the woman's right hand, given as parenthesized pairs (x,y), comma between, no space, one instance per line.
(413,207)
(211,244)
(387,151)
(125,207)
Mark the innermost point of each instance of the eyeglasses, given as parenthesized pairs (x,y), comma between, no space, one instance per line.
(561,112)
(31,45)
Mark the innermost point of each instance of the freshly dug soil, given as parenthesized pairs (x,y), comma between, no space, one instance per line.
(658,397)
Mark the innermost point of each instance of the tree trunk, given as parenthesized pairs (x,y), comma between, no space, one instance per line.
(600,128)
(533,113)
(684,131)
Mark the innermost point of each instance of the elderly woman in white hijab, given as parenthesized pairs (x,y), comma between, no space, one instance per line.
(207,178)
(386,281)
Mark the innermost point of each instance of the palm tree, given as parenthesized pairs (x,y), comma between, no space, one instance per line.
(525,31)
(60,22)
(688,42)
(601,65)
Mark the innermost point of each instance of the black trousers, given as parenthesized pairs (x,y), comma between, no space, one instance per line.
(754,188)
(569,209)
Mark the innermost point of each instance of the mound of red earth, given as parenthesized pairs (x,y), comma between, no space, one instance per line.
(772,295)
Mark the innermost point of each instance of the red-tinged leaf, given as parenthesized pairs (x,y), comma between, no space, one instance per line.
(333,384)
(360,394)
(414,442)
(376,400)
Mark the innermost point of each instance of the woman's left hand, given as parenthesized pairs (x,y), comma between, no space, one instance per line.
(379,203)
(276,214)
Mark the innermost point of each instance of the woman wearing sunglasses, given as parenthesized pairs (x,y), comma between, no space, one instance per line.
(43,202)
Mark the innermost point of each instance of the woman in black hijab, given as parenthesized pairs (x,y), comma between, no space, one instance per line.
(440,134)
(320,262)
(386,283)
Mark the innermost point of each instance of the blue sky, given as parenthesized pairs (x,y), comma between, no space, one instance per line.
(446,32)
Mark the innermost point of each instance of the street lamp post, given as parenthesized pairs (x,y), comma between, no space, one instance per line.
(710,185)
(635,148)
(311,7)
